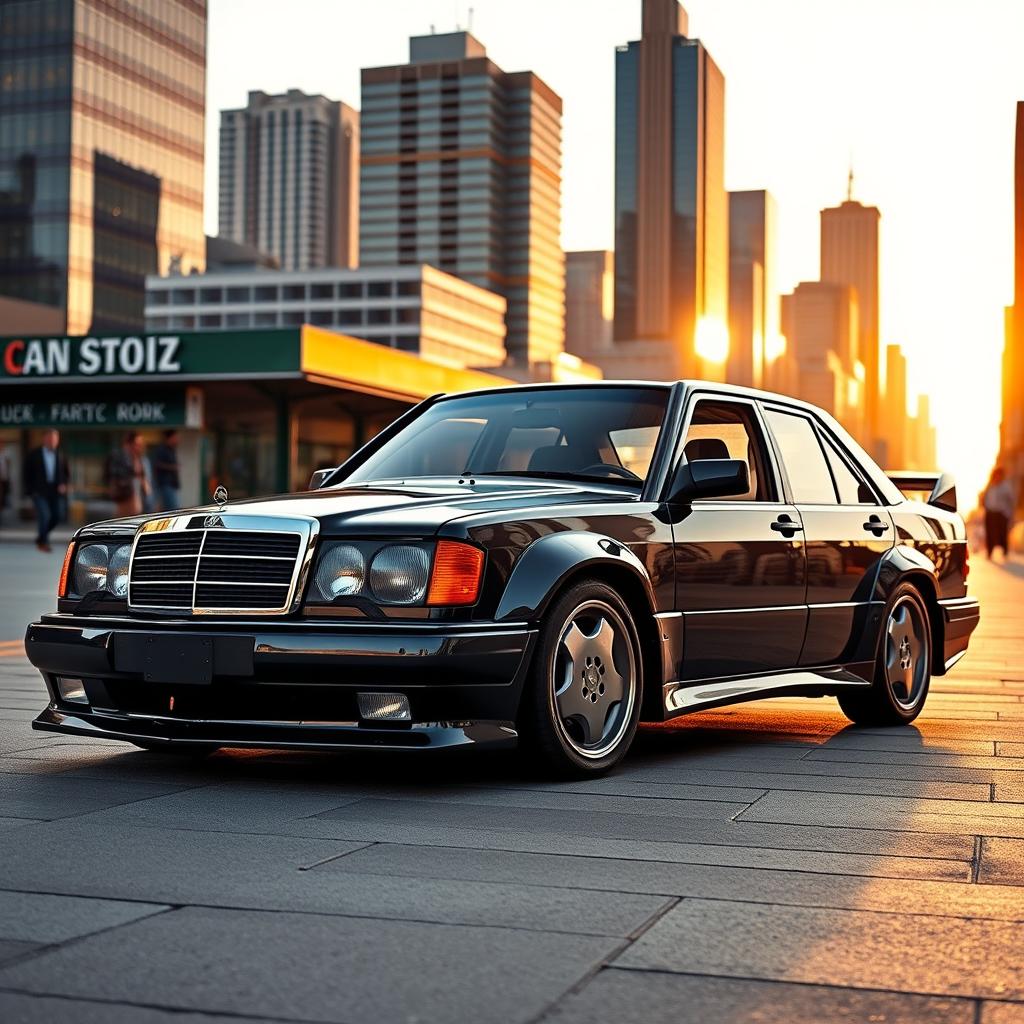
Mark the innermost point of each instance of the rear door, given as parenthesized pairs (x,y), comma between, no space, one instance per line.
(846,531)
(740,578)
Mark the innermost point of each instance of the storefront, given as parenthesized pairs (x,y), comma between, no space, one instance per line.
(257,411)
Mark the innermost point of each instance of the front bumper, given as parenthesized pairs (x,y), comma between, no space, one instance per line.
(290,684)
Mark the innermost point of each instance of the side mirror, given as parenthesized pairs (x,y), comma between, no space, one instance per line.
(710,478)
(319,476)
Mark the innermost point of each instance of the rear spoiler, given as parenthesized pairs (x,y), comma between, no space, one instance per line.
(940,487)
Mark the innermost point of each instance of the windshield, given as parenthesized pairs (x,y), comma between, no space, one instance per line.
(592,433)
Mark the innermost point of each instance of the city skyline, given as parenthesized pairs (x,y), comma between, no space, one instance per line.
(898,135)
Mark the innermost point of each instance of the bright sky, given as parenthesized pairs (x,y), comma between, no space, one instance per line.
(921,93)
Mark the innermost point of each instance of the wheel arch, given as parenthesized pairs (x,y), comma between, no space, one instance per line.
(553,564)
(909,565)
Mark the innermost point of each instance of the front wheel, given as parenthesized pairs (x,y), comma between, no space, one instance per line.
(583,699)
(903,665)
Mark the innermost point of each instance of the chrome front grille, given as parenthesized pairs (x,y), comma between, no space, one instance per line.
(235,567)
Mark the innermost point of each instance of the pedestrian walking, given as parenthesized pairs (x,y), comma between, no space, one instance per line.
(166,474)
(46,483)
(127,477)
(1000,503)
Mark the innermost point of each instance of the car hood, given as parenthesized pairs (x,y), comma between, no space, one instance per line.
(420,508)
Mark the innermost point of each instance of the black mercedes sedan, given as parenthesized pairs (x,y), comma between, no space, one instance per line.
(543,566)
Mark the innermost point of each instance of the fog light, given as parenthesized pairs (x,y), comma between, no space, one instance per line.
(72,690)
(384,707)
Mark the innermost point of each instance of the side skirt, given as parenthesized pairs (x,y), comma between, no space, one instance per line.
(681,698)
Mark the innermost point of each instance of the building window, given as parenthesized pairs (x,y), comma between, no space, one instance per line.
(408,288)
(214,320)
(184,296)
(266,293)
(379,289)
(265,320)
(157,298)
(322,291)
(294,292)
(211,294)
(293,318)
(239,294)
(352,290)
(379,316)
(237,320)
(349,317)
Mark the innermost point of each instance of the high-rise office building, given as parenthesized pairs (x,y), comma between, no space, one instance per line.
(289,179)
(102,113)
(1011,428)
(753,295)
(671,207)
(461,168)
(849,256)
(893,415)
(589,303)
(820,322)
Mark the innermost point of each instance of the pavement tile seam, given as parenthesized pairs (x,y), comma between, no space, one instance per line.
(42,949)
(580,983)
(707,842)
(334,856)
(975,1001)
(227,907)
(177,1011)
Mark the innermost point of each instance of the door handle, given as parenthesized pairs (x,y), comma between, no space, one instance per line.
(786,526)
(876,526)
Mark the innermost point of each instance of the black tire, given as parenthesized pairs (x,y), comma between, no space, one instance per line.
(583,693)
(903,664)
(193,750)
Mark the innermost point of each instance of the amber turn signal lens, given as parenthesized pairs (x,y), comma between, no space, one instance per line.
(62,586)
(456,575)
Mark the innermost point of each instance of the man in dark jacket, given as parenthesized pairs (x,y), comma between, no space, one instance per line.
(46,483)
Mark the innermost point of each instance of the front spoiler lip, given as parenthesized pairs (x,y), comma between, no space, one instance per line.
(312,736)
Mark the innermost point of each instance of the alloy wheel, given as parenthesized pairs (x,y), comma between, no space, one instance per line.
(594,680)
(906,652)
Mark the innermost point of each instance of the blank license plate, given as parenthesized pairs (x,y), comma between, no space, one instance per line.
(165,659)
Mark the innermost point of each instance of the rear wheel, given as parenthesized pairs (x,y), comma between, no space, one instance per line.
(903,665)
(582,704)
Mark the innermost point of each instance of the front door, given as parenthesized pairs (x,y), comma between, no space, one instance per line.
(846,529)
(740,573)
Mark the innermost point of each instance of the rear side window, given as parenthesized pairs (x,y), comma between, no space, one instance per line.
(852,490)
(808,472)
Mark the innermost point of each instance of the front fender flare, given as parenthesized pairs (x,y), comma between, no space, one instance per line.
(547,562)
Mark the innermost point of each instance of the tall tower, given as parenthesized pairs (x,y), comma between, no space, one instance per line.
(289,179)
(1011,429)
(753,294)
(461,168)
(849,256)
(102,114)
(671,207)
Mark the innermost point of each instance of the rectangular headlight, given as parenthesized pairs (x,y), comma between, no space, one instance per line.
(101,565)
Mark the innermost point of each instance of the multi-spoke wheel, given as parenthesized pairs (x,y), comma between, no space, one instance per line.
(903,666)
(584,699)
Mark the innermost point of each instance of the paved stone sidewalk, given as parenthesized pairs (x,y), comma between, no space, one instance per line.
(766,863)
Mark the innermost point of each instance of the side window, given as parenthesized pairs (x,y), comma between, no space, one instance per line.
(806,468)
(729,430)
(852,490)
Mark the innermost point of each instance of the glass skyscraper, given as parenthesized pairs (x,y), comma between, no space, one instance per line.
(461,168)
(102,110)
(671,207)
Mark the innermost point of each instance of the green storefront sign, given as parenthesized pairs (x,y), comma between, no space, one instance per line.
(179,407)
(235,354)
